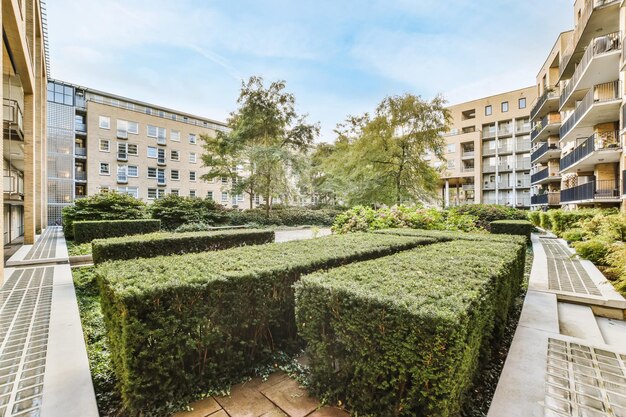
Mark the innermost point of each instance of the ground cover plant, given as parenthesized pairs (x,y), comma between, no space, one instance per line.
(86,231)
(405,334)
(163,244)
(180,325)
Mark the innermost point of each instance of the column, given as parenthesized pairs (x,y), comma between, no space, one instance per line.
(30,172)
(447,196)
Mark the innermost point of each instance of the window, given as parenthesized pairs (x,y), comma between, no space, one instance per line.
(122,151)
(192,193)
(134,191)
(175,174)
(451,148)
(192,157)
(240,197)
(128,127)
(133,171)
(155,193)
(522,103)
(157,132)
(152,152)
(132,149)
(105,145)
(450,164)
(174,192)
(209,195)
(192,175)
(61,94)
(160,176)
(257,200)
(161,156)
(224,196)
(175,135)
(224,180)
(192,138)
(505,106)
(174,155)
(104,122)
(105,169)
(488,110)
(152,172)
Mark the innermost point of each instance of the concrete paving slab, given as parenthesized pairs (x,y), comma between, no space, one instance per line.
(578,321)
(329,412)
(291,398)
(540,312)
(246,401)
(613,332)
(202,408)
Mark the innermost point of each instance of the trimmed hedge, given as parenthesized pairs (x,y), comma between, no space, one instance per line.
(293,216)
(512,227)
(180,325)
(162,244)
(446,236)
(406,334)
(86,231)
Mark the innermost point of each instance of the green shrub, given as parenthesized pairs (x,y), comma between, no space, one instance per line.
(174,211)
(535,217)
(616,260)
(487,213)
(563,220)
(404,335)
(574,235)
(447,236)
(86,231)
(594,250)
(545,220)
(102,206)
(296,216)
(180,325)
(512,227)
(162,244)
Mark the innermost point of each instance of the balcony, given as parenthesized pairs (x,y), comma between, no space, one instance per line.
(503,150)
(489,151)
(80,127)
(505,131)
(547,199)
(13,120)
(489,133)
(505,167)
(467,169)
(547,103)
(593,191)
(598,66)
(549,125)
(600,105)
(545,176)
(545,152)
(522,128)
(596,15)
(599,148)
(80,176)
(468,187)
(523,146)
(80,152)
(467,154)
(523,165)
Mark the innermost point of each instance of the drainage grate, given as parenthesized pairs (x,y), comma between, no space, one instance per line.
(567,274)
(45,247)
(25,303)
(584,381)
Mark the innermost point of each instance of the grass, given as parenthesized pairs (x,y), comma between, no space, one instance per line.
(77,249)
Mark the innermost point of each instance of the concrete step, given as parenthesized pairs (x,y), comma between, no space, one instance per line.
(613,332)
(579,321)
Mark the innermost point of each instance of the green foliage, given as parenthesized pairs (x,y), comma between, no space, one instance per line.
(616,258)
(180,325)
(594,250)
(174,211)
(447,236)
(512,227)
(74,249)
(545,221)
(362,218)
(162,244)
(102,206)
(535,217)
(404,335)
(562,220)
(574,235)
(86,231)
(487,213)
(294,216)
(608,227)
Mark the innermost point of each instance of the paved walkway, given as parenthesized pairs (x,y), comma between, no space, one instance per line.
(568,356)
(43,360)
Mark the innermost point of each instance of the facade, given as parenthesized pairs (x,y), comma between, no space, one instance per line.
(487,155)
(24,70)
(578,139)
(100,142)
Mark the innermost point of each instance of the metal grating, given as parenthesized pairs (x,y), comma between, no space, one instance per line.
(566,273)
(584,381)
(25,304)
(45,247)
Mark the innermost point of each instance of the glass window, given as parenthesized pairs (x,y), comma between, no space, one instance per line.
(152,152)
(192,175)
(488,110)
(105,169)
(104,122)
(451,148)
(132,149)
(224,180)
(152,193)
(174,155)
(105,145)
(175,174)
(175,135)
(505,106)
(450,164)
(174,192)
(224,196)
(192,157)
(192,193)
(133,171)
(209,195)
(134,191)
(152,172)
(522,103)
(192,138)
(152,131)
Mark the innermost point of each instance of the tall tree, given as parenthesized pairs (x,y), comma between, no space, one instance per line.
(381,158)
(266,137)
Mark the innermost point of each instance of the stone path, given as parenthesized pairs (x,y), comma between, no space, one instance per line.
(278,396)
(568,356)
(43,360)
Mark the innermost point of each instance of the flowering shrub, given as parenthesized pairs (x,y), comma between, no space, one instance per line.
(362,218)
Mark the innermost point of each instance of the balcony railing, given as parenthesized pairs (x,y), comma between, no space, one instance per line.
(505,149)
(80,127)
(12,115)
(467,154)
(80,151)
(551,199)
(522,165)
(603,140)
(468,186)
(489,151)
(522,128)
(505,131)
(598,94)
(467,169)
(598,46)
(541,175)
(549,94)
(542,150)
(523,146)
(489,133)
(593,190)
(80,175)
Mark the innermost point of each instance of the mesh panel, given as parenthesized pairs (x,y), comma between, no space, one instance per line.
(60,159)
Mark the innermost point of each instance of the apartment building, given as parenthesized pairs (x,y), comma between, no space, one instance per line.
(487,155)
(24,70)
(578,139)
(100,142)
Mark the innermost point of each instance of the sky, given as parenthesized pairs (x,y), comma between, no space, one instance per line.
(338,57)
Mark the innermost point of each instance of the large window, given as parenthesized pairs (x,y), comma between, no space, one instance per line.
(61,94)
(192,193)
(128,127)
(154,193)
(152,172)
(175,135)
(192,175)
(157,132)
(209,195)
(132,149)
(134,191)
(104,122)
(133,171)
(224,196)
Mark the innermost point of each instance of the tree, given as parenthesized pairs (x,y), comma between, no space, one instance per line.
(381,158)
(266,139)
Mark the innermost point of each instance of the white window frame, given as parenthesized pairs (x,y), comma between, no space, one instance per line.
(156,152)
(192,193)
(209,195)
(108,145)
(107,171)
(151,170)
(193,158)
(193,176)
(135,168)
(175,175)
(224,196)
(175,191)
(193,139)
(175,135)
(104,122)
(133,146)
(172,155)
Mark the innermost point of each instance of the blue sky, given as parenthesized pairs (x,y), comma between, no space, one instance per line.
(339,57)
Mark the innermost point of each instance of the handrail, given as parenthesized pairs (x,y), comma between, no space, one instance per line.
(550,93)
(601,140)
(598,94)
